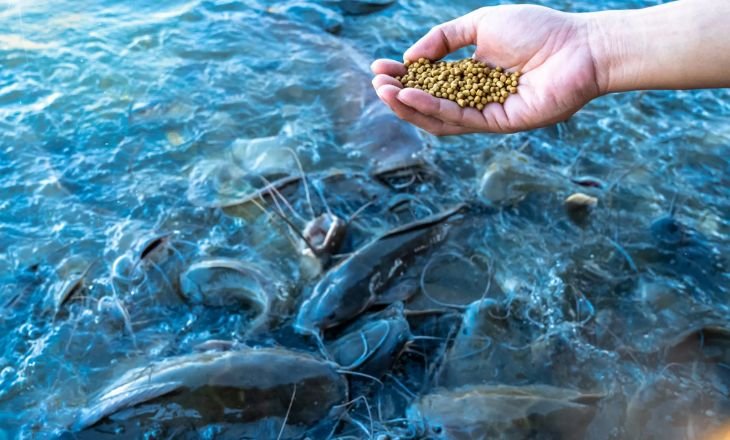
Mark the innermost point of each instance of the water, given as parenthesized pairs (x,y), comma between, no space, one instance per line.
(122,120)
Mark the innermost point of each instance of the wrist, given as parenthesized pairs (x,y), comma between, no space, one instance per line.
(616,42)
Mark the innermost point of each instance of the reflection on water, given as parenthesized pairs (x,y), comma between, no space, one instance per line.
(133,135)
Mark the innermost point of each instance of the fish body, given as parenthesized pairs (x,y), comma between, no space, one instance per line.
(354,285)
(373,345)
(361,7)
(223,282)
(242,386)
(499,411)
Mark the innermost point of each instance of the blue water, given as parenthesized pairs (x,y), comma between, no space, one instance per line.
(124,119)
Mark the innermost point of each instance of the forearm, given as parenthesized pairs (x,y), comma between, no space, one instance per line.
(679,45)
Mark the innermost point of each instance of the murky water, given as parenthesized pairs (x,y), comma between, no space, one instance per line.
(132,132)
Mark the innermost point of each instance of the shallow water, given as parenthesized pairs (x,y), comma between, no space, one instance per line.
(123,120)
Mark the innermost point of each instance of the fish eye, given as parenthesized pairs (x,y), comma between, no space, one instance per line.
(437,429)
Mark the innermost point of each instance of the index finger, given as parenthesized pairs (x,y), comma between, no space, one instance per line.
(388,67)
(444,39)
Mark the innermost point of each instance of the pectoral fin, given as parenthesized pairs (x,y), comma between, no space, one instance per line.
(112,402)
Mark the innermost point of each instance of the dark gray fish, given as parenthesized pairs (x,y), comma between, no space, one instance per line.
(492,344)
(311,13)
(354,285)
(677,406)
(394,148)
(708,344)
(243,386)
(685,251)
(499,411)
(360,7)
(511,176)
(373,345)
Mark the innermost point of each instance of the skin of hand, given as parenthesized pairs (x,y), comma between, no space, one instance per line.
(566,60)
(550,48)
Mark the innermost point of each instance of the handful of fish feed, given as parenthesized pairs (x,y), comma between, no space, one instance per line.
(468,82)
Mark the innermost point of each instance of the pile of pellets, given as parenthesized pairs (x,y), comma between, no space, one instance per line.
(467,82)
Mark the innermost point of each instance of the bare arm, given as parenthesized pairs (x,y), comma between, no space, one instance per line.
(679,45)
(567,59)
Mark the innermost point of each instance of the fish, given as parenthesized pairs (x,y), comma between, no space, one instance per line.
(501,411)
(360,7)
(709,343)
(680,250)
(355,284)
(242,386)
(510,177)
(70,288)
(310,13)
(224,282)
(373,345)
(234,284)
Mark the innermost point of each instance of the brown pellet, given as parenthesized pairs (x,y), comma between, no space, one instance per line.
(468,82)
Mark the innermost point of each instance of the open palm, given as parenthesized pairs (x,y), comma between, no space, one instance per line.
(550,48)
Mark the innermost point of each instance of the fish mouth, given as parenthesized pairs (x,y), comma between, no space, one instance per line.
(305,329)
(306,326)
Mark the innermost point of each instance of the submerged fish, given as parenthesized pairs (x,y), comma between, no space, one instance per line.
(360,7)
(356,283)
(223,282)
(511,176)
(243,386)
(681,250)
(708,343)
(492,344)
(373,345)
(498,411)
(70,289)
(311,13)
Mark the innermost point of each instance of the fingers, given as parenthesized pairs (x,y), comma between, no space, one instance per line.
(492,119)
(444,39)
(388,67)
(438,116)
(389,93)
(443,109)
(382,80)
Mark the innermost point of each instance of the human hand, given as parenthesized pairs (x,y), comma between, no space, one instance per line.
(550,48)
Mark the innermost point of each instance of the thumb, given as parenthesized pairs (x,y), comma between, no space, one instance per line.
(444,39)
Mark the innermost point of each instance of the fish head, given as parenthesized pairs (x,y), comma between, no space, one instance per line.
(669,231)
(328,306)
